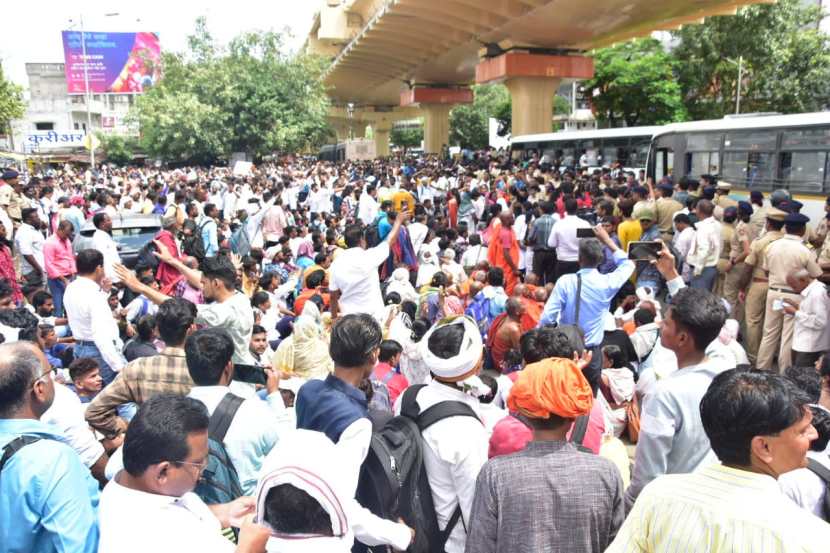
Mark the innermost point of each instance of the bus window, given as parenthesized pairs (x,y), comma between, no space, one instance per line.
(803,171)
(664,163)
(761,170)
(638,152)
(702,163)
(615,149)
(809,139)
(565,154)
(700,142)
(761,139)
(734,167)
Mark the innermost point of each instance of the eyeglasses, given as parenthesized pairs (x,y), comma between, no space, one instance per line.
(53,370)
(201,466)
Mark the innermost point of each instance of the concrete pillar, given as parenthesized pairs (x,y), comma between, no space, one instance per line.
(532,80)
(531,104)
(436,127)
(381,135)
(435,104)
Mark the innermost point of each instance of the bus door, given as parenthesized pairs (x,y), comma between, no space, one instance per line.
(663,153)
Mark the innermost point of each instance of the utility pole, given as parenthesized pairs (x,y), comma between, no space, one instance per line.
(88,98)
(740,79)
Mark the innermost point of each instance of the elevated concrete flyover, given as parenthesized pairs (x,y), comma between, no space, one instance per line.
(384,51)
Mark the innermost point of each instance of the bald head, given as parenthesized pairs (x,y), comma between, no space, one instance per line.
(519,290)
(21,366)
(514,308)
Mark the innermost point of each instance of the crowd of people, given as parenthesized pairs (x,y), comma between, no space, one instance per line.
(475,354)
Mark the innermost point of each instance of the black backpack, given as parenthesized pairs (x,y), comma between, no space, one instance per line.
(824,473)
(393,481)
(219,482)
(146,257)
(372,235)
(193,245)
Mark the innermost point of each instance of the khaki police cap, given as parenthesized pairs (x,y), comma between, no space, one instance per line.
(775,214)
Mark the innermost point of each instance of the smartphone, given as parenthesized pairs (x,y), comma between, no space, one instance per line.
(585,233)
(644,251)
(250,374)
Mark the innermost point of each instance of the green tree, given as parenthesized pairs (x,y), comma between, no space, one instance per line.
(634,83)
(786,61)
(406,137)
(469,123)
(12,105)
(118,148)
(249,97)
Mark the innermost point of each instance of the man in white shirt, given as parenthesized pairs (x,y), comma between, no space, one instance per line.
(256,425)
(706,247)
(354,281)
(563,238)
(103,242)
(367,206)
(811,335)
(29,242)
(450,267)
(90,317)
(474,254)
(165,451)
(418,231)
(682,242)
(455,448)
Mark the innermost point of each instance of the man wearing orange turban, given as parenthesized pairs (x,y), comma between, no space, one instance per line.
(552,386)
(549,496)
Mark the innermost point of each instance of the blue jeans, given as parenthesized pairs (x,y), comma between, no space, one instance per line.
(57,289)
(706,279)
(89,349)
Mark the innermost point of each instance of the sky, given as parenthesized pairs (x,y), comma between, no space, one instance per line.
(32,30)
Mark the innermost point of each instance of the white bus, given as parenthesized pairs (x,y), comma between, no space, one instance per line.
(752,152)
(592,149)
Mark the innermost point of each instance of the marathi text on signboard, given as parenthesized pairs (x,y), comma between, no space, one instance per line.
(45,140)
(115,62)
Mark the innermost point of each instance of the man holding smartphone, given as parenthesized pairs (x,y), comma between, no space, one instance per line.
(584,297)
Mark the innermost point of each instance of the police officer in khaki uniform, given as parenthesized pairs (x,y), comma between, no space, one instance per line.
(784,256)
(739,250)
(665,207)
(758,221)
(727,230)
(722,199)
(756,277)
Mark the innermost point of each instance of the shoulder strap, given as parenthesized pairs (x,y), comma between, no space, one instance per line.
(222,417)
(578,297)
(444,410)
(445,535)
(819,470)
(409,407)
(16,445)
(579,430)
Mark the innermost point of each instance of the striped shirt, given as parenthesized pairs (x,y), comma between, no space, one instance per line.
(719,509)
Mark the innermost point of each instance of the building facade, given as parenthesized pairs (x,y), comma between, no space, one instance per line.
(56,121)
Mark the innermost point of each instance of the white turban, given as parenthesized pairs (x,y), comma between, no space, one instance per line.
(303,459)
(468,355)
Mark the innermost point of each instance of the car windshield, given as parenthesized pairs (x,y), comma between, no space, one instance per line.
(133,238)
